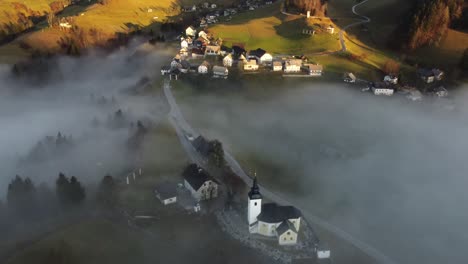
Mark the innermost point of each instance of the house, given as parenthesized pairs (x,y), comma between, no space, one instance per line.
(238,50)
(203,68)
(213,6)
(429,76)
(349,77)
(272,220)
(190,32)
(440,91)
(391,79)
(242,58)
(184,66)
(330,29)
(227,61)
(165,70)
(212,50)
(225,50)
(220,72)
(277,66)
(203,23)
(292,65)
(260,55)
(184,44)
(166,193)
(201,185)
(183,53)
(203,34)
(175,64)
(250,65)
(382,88)
(313,69)
(197,53)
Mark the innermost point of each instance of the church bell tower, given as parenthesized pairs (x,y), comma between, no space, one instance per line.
(254,206)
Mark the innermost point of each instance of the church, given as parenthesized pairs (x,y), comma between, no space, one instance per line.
(272,220)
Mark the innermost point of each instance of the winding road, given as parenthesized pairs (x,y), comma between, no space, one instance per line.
(363,20)
(183,129)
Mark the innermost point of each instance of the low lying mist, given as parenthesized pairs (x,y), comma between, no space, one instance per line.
(79,98)
(391,172)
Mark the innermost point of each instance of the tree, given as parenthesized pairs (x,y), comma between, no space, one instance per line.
(216,154)
(21,196)
(76,192)
(106,194)
(391,67)
(62,188)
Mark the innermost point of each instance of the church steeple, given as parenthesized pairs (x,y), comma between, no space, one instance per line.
(255,190)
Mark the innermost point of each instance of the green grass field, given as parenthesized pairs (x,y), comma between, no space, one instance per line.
(268,29)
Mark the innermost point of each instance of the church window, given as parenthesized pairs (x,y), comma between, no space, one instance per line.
(255,203)
(289,233)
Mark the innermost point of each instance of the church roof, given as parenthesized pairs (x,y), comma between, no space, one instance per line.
(255,191)
(285,226)
(273,213)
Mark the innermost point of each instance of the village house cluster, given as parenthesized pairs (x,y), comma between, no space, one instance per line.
(390,85)
(201,53)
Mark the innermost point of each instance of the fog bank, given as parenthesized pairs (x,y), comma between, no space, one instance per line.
(389,171)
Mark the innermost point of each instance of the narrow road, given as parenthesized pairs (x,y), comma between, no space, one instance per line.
(362,20)
(183,128)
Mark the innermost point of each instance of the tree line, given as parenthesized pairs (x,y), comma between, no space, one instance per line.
(428,22)
(316,7)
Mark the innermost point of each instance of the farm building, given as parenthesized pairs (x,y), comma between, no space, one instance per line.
(313,69)
(220,72)
(166,193)
(349,77)
(391,79)
(293,65)
(199,183)
(212,50)
(382,88)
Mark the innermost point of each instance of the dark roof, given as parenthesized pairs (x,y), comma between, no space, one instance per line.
(257,53)
(185,64)
(285,226)
(196,176)
(166,68)
(425,72)
(166,190)
(227,49)
(255,191)
(238,50)
(273,213)
(382,85)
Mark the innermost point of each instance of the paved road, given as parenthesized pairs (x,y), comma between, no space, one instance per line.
(183,128)
(362,20)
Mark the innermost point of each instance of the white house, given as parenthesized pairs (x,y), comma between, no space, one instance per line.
(190,32)
(200,184)
(184,44)
(203,68)
(277,66)
(166,193)
(313,69)
(250,65)
(292,65)
(391,79)
(349,77)
(261,56)
(330,29)
(382,88)
(220,72)
(271,219)
(203,34)
(227,61)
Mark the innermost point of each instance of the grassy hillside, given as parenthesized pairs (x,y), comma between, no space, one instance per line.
(267,28)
